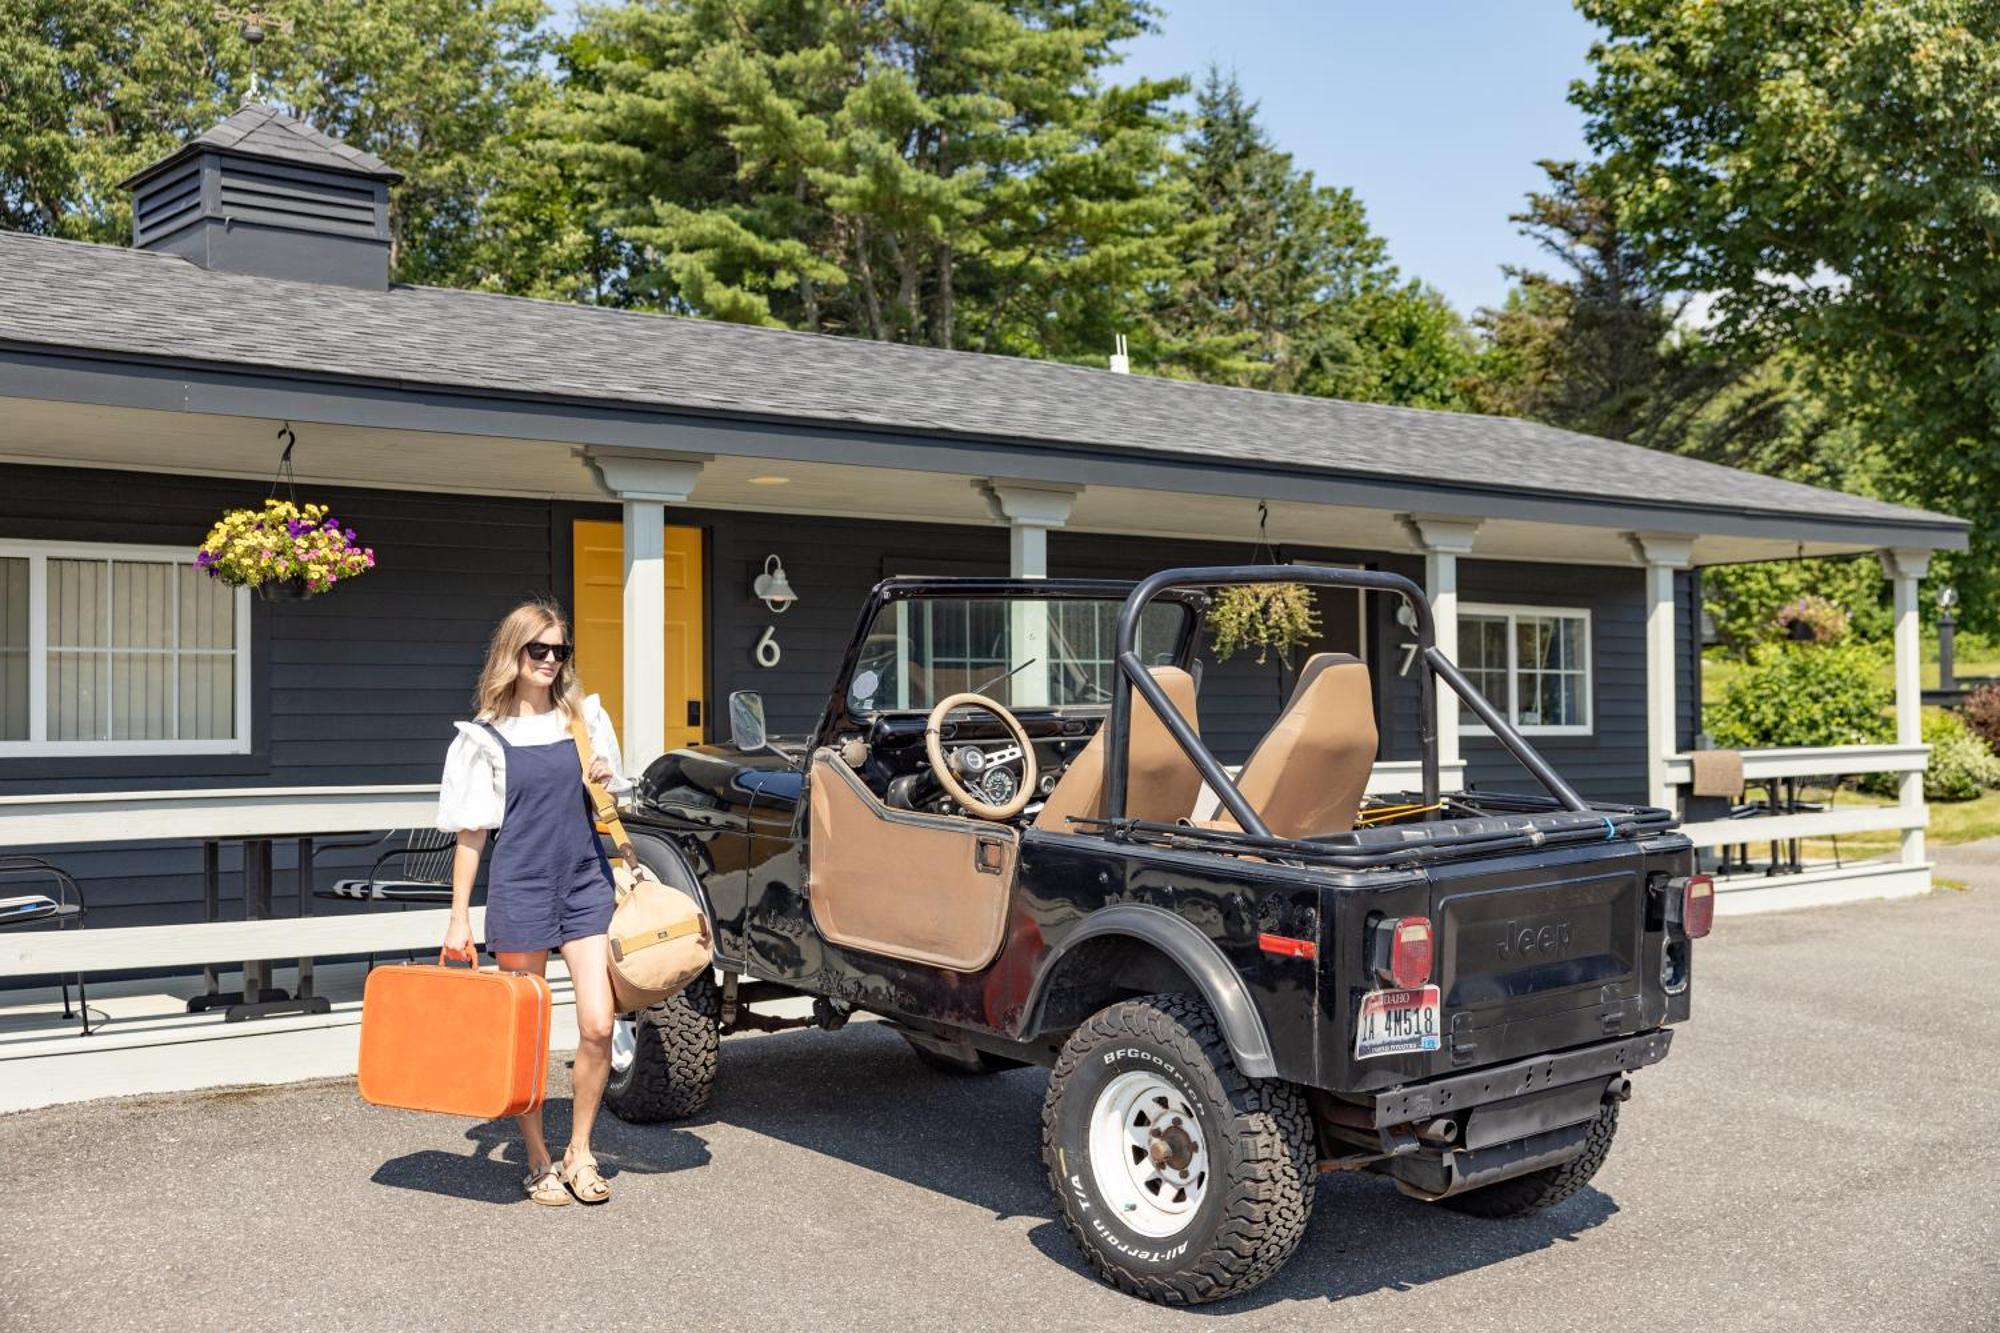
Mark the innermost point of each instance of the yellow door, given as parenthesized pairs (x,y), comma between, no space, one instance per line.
(599,600)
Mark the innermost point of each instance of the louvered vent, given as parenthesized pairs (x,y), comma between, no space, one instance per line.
(262,193)
(166,205)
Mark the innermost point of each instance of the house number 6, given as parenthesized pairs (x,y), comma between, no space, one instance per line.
(767,651)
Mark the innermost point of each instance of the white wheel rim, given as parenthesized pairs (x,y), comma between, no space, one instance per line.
(1147,1154)
(624,1045)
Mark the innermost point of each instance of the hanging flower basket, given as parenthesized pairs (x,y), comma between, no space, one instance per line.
(1269,617)
(282,551)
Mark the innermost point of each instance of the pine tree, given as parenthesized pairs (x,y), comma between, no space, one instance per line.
(958,175)
(1287,287)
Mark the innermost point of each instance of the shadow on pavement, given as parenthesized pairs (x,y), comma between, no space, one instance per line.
(492,1172)
(863,1098)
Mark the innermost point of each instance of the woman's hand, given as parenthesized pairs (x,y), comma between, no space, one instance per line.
(458,939)
(600,772)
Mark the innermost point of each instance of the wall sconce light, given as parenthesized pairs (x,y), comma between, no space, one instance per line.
(772,587)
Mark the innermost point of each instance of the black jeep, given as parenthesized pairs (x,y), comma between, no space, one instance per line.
(1006,839)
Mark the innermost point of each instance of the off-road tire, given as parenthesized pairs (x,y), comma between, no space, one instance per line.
(1545,1188)
(1259,1139)
(678,1045)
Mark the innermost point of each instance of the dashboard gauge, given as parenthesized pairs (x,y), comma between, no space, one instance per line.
(998,785)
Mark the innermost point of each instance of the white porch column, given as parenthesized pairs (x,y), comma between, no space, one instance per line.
(1029,510)
(1905,568)
(646,482)
(1443,541)
(1663,556)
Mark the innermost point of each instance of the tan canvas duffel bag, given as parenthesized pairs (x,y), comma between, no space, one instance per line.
(660,938)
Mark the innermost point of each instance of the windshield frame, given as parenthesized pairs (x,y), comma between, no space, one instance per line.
(840,716)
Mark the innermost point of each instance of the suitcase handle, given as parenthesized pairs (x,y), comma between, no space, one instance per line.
(469,956)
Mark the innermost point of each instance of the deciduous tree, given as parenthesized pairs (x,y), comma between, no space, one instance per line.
(92,90)
(1830,171)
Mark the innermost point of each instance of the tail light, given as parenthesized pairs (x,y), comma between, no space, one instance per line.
(1697,906)
(1402,952)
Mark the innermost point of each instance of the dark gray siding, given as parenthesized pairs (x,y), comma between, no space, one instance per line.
(1609,764)
(358,686)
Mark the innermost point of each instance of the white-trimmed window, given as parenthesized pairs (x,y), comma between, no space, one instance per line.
(120,650)
(1532,662)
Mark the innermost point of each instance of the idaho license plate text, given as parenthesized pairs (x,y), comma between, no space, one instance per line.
(1396,1022)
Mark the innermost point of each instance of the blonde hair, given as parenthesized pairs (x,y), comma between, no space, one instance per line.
(494,694)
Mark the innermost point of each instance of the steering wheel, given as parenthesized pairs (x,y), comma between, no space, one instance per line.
(970,761)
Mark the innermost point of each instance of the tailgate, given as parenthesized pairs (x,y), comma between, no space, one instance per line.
(1540,952)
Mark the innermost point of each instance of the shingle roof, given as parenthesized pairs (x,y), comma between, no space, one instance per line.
(257,130)
(107,298)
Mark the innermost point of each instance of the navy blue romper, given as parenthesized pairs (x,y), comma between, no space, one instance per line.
(549,882)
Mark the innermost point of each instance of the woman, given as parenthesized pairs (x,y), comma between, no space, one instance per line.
(513,773)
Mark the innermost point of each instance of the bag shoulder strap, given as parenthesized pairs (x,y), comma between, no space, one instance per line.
(602,807)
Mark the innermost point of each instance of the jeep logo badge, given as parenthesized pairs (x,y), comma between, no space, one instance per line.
(1529,941)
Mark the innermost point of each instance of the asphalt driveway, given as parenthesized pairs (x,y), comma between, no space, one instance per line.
(1819,1153)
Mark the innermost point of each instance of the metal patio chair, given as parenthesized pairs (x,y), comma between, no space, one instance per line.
(418,873)
(64,907)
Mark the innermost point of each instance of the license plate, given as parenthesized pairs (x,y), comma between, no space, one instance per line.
(1396,1022)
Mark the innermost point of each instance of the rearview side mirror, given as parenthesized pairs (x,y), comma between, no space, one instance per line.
(746,721)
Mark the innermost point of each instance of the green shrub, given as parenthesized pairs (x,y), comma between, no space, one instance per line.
(1960,766)
(1804,694)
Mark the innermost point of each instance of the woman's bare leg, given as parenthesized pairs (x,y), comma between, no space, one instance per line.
(589,961)
(536,963)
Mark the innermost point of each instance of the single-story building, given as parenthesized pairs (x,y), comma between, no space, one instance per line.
(646,469)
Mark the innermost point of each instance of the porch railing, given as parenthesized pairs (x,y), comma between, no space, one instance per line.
(1906,818)
(1406,775)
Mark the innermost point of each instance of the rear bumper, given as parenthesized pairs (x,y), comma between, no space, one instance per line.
(1509,1120)
(1460,1092)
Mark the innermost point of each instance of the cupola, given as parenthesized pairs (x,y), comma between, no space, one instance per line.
(263,193)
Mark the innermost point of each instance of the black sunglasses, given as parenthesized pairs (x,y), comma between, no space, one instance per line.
(541,652)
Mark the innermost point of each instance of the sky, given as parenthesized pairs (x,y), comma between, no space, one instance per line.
(1433,112)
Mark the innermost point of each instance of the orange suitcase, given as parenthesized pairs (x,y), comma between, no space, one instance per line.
(454,1040)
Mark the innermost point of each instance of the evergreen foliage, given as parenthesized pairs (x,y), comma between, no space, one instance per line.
(956,175)
(1286,287)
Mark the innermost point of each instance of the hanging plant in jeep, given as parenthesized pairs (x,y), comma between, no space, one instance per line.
(1006,838)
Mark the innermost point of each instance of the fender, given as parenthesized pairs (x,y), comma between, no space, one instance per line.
(1198,956)
(665,859)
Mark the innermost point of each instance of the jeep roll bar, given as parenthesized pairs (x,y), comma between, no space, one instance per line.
(1132,674)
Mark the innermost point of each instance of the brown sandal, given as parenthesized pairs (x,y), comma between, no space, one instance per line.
(546,1187)
(580,1174)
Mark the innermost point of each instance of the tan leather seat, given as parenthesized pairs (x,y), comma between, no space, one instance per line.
(1161,781)
(1308,774)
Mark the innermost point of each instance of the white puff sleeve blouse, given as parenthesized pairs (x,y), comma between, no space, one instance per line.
(473,794)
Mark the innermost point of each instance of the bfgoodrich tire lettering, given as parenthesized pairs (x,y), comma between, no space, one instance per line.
(1256,1142)
(677,1045)
(1545,1188)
